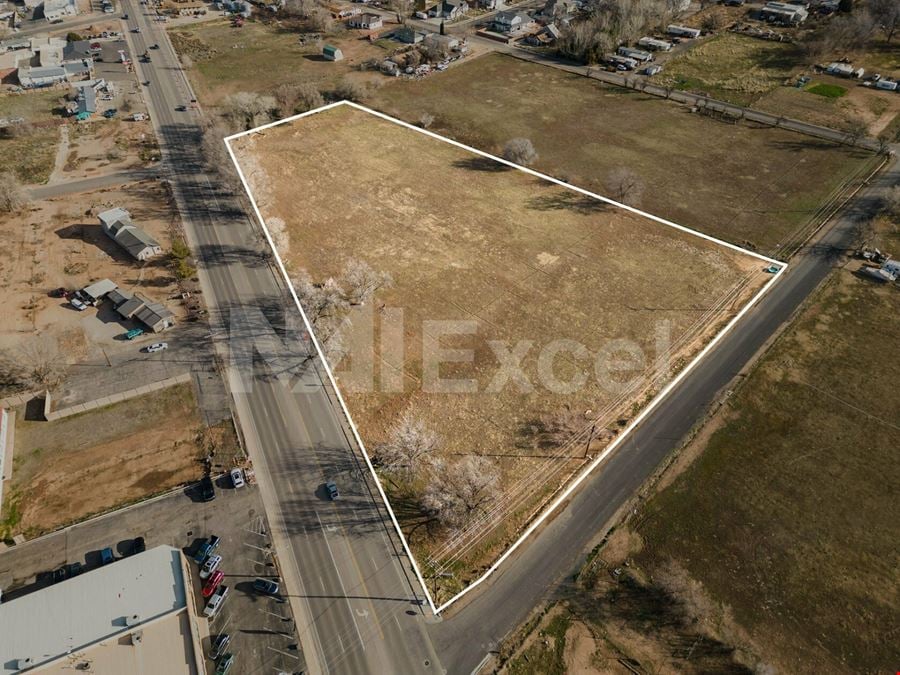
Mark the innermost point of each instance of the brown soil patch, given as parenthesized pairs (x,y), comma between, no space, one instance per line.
(69,469)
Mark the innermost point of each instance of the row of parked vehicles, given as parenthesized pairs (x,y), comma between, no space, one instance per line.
(106,556)
(212,576)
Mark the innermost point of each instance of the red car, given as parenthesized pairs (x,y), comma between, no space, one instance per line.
(213,583)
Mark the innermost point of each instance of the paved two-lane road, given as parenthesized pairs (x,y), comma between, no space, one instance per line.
(356,610)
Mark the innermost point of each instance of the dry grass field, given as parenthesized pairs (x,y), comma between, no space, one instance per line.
(770,545)
(751,186)
(259,57)
(69,469)
(518,258)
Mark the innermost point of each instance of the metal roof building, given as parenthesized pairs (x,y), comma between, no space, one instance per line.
(135,615)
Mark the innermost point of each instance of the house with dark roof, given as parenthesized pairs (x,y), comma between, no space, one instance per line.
(117,225)
(154,315)
(450,9)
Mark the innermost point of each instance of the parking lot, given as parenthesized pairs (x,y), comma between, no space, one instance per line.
(263,635)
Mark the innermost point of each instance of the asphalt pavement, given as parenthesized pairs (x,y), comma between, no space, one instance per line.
(350,591)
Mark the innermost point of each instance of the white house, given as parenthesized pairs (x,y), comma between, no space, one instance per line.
(512,22)
(116,224)
(451,9)
(365,21)
(892,267)
(654,44)
(682,31)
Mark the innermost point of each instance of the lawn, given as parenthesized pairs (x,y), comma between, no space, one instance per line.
(827,90)
(260,57)
(69,469)
(752,186)
(508,259)
(788,516)
(733,67)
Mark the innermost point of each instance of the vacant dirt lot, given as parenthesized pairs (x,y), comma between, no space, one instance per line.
(521,260)
(30,153)
(259,57)
(747,185)
(59,243)
(66,470)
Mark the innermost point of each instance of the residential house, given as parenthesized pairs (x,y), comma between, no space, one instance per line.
(450,9)
(116,224)
(545,37)
(332,53)
(682,31)
(33,77)
(784,13)
(366,21)
(409,35)
(491,5)
(443,43)
(556,8)
(636,54)
(154,315)
(512,22)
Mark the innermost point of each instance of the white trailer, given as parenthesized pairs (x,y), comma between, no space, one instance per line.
(654,44)
(682,31)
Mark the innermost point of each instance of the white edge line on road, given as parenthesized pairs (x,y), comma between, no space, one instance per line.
(608,450)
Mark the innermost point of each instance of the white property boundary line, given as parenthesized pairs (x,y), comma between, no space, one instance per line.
(610,448)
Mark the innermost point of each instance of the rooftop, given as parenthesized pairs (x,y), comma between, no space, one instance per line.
(80,613)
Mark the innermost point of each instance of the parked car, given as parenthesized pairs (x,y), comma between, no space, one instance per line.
(206,549)
(106,556)
(58,575)
(212,583)
(332,490)
(77,304)
(219,645)
(133,333)
(211,565)
(139,545)
(59,292)
(265,586)
(215,602)
(237,478)
(224,664)
(156,347)
(207,489)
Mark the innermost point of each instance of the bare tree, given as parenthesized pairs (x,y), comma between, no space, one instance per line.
(216,157)
(320,20)
(887,15)
(246,110)
(294,98)
(12,195)
(321,302)
(426,120)
(855,129)
(42,363)
(891,202)
(409,442)
(349,90)
(851,31)
(520,150)
(460,490)
(13,377)
(301,9)
(187,62)
(625,186)
(361,281)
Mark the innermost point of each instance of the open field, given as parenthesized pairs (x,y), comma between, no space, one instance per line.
(66,470)
(59,243)
(733,67)
(751,186)
(771,542)
(34,149)
(775,526)
(512,260)
(260,57)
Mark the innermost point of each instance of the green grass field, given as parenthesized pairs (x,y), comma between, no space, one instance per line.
(827,90)
(751,186)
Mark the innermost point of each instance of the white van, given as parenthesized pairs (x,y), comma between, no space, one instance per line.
(215,602)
